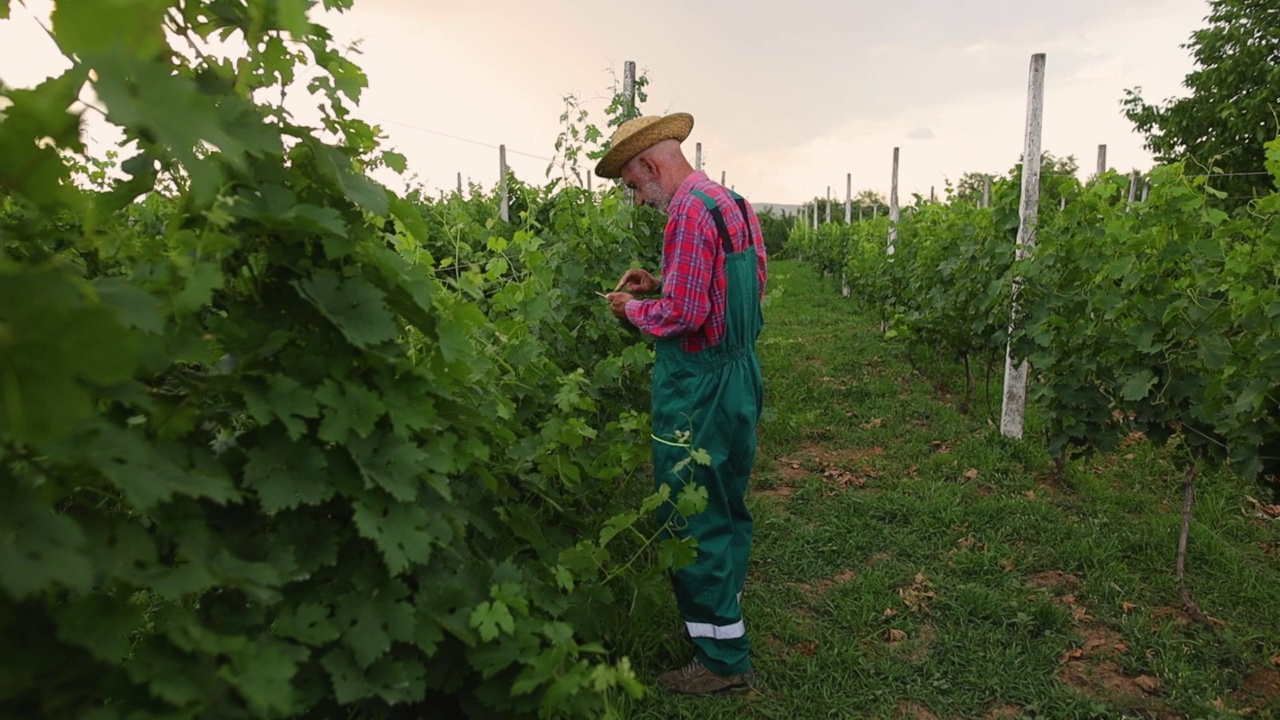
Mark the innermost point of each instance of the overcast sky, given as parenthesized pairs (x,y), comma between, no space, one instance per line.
(787,97)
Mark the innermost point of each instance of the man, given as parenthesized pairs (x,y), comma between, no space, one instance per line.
(707,387)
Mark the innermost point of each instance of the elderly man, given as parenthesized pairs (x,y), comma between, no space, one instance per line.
(707,387)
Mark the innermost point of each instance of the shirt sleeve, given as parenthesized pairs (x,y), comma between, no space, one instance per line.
(762,272)
(688,259)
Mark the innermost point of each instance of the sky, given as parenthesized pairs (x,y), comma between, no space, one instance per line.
(787,98)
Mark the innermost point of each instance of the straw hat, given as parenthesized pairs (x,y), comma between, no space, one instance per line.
(635,136)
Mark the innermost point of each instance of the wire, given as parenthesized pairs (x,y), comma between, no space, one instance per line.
(467,140)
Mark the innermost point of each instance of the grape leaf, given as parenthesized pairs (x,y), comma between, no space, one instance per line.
(349,406)
(353,305)
(286,474)
(147,477)
(395,161)
(308,622)
(135,307)
(390,463)
(403,533)
(1138,385)
(135,26)
(100,624)
(284,399)
(262,672)
(492,619)
(39,549)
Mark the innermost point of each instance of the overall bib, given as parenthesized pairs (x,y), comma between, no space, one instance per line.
(716,395)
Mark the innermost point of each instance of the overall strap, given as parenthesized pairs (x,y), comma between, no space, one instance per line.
(746,219)
(718,217)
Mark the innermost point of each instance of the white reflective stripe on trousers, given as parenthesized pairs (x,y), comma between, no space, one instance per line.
(718,632)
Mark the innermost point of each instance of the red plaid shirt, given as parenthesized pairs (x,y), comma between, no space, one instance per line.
(693,282)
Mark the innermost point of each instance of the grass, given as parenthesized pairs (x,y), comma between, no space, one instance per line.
(911,562)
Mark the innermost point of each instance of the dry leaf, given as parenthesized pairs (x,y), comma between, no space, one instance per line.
(1008,564)
(1275,660)
(1127,607)
(1121,647)
(1148,683)
(1070,655)
(873,423)
(1031,494)
(1271,511)
(808,648)
(971,473)
(890,613)
(895,635)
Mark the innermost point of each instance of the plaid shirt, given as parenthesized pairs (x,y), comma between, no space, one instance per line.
(693,282)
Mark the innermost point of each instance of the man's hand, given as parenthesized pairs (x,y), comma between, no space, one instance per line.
(639,282)
(618,303)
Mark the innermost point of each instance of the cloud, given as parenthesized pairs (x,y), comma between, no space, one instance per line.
(920,134)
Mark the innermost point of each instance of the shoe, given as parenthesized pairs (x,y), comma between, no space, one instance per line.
(696,679)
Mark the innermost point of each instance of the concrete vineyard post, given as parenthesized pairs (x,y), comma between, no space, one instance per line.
(894,214)
(1013,410)
(722,179)
(1102,160)
(698,157)
(848,198)
(828,219)
(1133,190)
(504,204)
(459,184)
(629,88)
(986,192)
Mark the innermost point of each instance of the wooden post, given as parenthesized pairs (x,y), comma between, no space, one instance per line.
(986,191)
(1133,190)
(848,199)
(1013,411)
(893,205)
(721,177)
(828,220)
(459,184)
(589,174)
(698,158)
(504,204)
(629,87)
(933,197)
(1102,160)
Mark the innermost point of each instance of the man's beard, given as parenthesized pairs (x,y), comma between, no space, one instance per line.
(655,197)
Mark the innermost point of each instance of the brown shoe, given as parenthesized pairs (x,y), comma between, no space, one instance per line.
(696,679)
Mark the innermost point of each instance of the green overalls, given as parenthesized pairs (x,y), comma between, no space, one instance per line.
(716,395)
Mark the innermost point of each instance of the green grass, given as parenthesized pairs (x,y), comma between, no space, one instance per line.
(881,508)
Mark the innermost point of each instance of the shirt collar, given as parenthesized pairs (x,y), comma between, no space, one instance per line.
(686,187)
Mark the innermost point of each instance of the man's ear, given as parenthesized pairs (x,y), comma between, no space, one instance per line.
(647,164)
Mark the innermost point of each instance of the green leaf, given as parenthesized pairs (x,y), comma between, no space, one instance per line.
(100,624)
(147,476)
(395,161)
(353,305)
(201,280)
(286,474)
(284,399)
(700,456)
(262,673)
(40,549)
(403,533)
(390,463)
(308,622)
(135,307)
(336,167)
(4,9)
(292,16)
(349,407)
(134,26)
(1138,385)
(31,167)
(491,619)
(54,345)
(373,623)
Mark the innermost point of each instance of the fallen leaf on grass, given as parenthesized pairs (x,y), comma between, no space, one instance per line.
(1269,511)
(1121,647)
(971,473)
(1070,655)
(917,595)
(895,635)
(1147,683)
(873,423)
(890,613)
(808,648)
(1008,564)
(1127,607)
(1031,494)
(1275,660)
